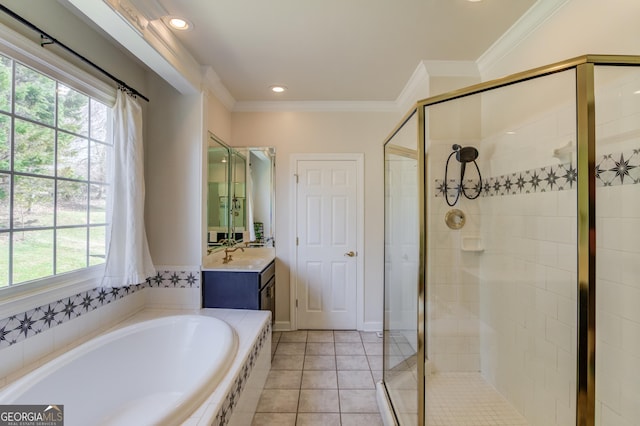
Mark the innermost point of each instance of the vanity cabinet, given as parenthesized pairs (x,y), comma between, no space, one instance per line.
(240,289)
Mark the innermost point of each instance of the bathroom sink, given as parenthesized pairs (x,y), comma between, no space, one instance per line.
(250,260)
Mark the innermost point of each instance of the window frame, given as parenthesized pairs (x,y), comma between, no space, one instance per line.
(29,53)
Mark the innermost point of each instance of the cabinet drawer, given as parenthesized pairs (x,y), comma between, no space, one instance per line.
(267,274)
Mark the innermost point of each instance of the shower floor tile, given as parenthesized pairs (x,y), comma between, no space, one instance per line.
(467,399)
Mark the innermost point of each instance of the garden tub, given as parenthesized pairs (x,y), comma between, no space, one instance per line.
(154,372)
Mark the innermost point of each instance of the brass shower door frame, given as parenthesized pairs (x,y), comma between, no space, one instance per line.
(584,67)
(418,155)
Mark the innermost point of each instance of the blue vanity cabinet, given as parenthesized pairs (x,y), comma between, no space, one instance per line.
(240,289)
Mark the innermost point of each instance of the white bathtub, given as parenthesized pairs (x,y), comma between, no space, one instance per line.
(152,372)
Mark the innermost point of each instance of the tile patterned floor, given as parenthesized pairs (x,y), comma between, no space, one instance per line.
(467,399)
(322,378)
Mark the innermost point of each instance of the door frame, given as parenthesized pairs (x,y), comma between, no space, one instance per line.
(360,184)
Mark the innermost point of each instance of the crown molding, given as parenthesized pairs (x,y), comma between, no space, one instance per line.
(519,31)
(141,36)
(316,106)
(451,68)
(409,94)
(212,81)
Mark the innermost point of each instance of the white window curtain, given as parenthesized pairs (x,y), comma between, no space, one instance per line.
(128,259)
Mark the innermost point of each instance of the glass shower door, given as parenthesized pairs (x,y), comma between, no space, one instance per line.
(402,253)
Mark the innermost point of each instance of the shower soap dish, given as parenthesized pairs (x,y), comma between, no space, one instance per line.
(473,244)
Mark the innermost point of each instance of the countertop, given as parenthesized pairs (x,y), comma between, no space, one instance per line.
(250,259)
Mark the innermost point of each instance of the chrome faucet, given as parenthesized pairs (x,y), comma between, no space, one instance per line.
(227,254)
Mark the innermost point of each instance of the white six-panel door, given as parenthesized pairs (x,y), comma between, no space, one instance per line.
(326,250)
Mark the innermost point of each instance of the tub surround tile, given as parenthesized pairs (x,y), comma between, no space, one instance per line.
(254,336)
(24,325)
(218,408)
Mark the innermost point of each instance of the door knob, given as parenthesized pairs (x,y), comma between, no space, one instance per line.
(350,254)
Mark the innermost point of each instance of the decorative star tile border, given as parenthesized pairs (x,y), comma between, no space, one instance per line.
(231,399)
(611,170)
(21,326)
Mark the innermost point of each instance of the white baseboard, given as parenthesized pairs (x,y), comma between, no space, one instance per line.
(282,326)
(367,326)
(372,326)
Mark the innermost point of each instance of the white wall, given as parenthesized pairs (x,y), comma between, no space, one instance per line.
(323,132)
(217,118)
(579,27)
(174,158)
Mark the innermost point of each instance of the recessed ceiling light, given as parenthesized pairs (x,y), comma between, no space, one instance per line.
(637,92)
(511,132)
(474,1)
(178,23)
(278,89)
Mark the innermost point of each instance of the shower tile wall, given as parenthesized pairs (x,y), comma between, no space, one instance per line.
(453,343)
(513,265)
(528,294)
(527,303)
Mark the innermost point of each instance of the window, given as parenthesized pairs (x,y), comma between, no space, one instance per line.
(54,152)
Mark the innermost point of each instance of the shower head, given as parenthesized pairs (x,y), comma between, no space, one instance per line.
(465,154)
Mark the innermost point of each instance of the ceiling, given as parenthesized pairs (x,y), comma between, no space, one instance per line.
(321,50)
(335,50)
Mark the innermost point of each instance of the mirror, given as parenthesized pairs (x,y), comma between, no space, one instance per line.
(240,195)
(217,192)
(256,196)
(238,206)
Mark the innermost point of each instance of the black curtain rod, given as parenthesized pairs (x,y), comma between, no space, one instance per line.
(47,39)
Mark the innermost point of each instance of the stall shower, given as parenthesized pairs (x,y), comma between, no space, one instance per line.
(517,198)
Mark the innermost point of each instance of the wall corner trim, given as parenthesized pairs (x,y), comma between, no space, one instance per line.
(211,80)
(519,31)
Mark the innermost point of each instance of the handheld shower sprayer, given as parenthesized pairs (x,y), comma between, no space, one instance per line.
(464,155)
